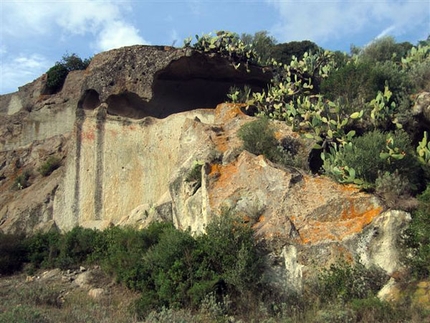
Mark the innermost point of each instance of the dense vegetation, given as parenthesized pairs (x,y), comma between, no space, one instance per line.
(57,74)
(356,109)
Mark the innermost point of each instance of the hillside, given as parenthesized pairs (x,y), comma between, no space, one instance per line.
(330,182)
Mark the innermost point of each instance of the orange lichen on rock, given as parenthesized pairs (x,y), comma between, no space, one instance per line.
(347,225)
(226,173)
(226,112)
(221,142)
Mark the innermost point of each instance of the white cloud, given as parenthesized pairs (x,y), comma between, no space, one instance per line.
(385,32)
(106,21)
(321,21)
(33,26)
(17,71)
(117,34)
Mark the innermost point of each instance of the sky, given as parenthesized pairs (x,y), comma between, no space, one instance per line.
(35,34)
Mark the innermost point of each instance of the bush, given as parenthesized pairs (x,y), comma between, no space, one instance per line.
(43,249)
(364,156)
(182,271)
(12,253)
(22,180)
(76,247)
(352,83)
(55,78)
(417,238)
(395,190)
(258,137)
(51,164)
(57,74)
(346,282)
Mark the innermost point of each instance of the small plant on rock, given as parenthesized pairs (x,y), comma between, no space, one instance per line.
(22,180)
(51,164)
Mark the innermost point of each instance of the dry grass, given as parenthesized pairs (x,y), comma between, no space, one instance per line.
(56,300)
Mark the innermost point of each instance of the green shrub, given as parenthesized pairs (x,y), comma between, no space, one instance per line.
(120,252)
(372,309)
(22,180)
(385,49)
(346,282)
(395,190)
(258,137)
(417,238)
(55,77)
(76,247)
(376,152)
(353,83)
(195,174)
(229,261)
(51,164)
(57,74)
(43,249)
(12,253)
(181,271)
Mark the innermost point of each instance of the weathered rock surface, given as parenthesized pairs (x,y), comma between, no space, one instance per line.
(132,128)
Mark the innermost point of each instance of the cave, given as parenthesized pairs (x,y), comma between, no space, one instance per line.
(192,82)
(89,100)
(128,105)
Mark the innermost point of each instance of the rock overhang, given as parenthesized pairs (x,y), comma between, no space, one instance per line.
(157,81)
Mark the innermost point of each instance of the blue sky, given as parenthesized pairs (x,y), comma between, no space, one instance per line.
(34,34)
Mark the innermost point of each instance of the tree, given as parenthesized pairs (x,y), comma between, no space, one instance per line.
(261,42)
(284,52)
(57,74)
(384,49)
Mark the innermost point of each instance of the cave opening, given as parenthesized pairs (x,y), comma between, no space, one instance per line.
(189,83)
(89,100)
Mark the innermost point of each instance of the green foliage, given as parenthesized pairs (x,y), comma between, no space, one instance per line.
(226,44)
(75,247)
(417,238)
(259,138)
(239,95)
(394,189)
(69,250)
(51,164)
(372,309)
(195,173)
(358,82)
(347,282)
(181,271)
(262,43)
(385,49)
(22,180)
(55,77)
(286,52)
(43,249)
(12,253)
(371,153)
(57,74)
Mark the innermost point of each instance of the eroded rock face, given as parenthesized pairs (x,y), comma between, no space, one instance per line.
(141,81)
(111,114)
(140,140)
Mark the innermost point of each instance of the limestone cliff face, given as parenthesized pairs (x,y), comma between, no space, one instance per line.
(131,129)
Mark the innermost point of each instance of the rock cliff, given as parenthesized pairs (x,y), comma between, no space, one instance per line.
(142,135)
